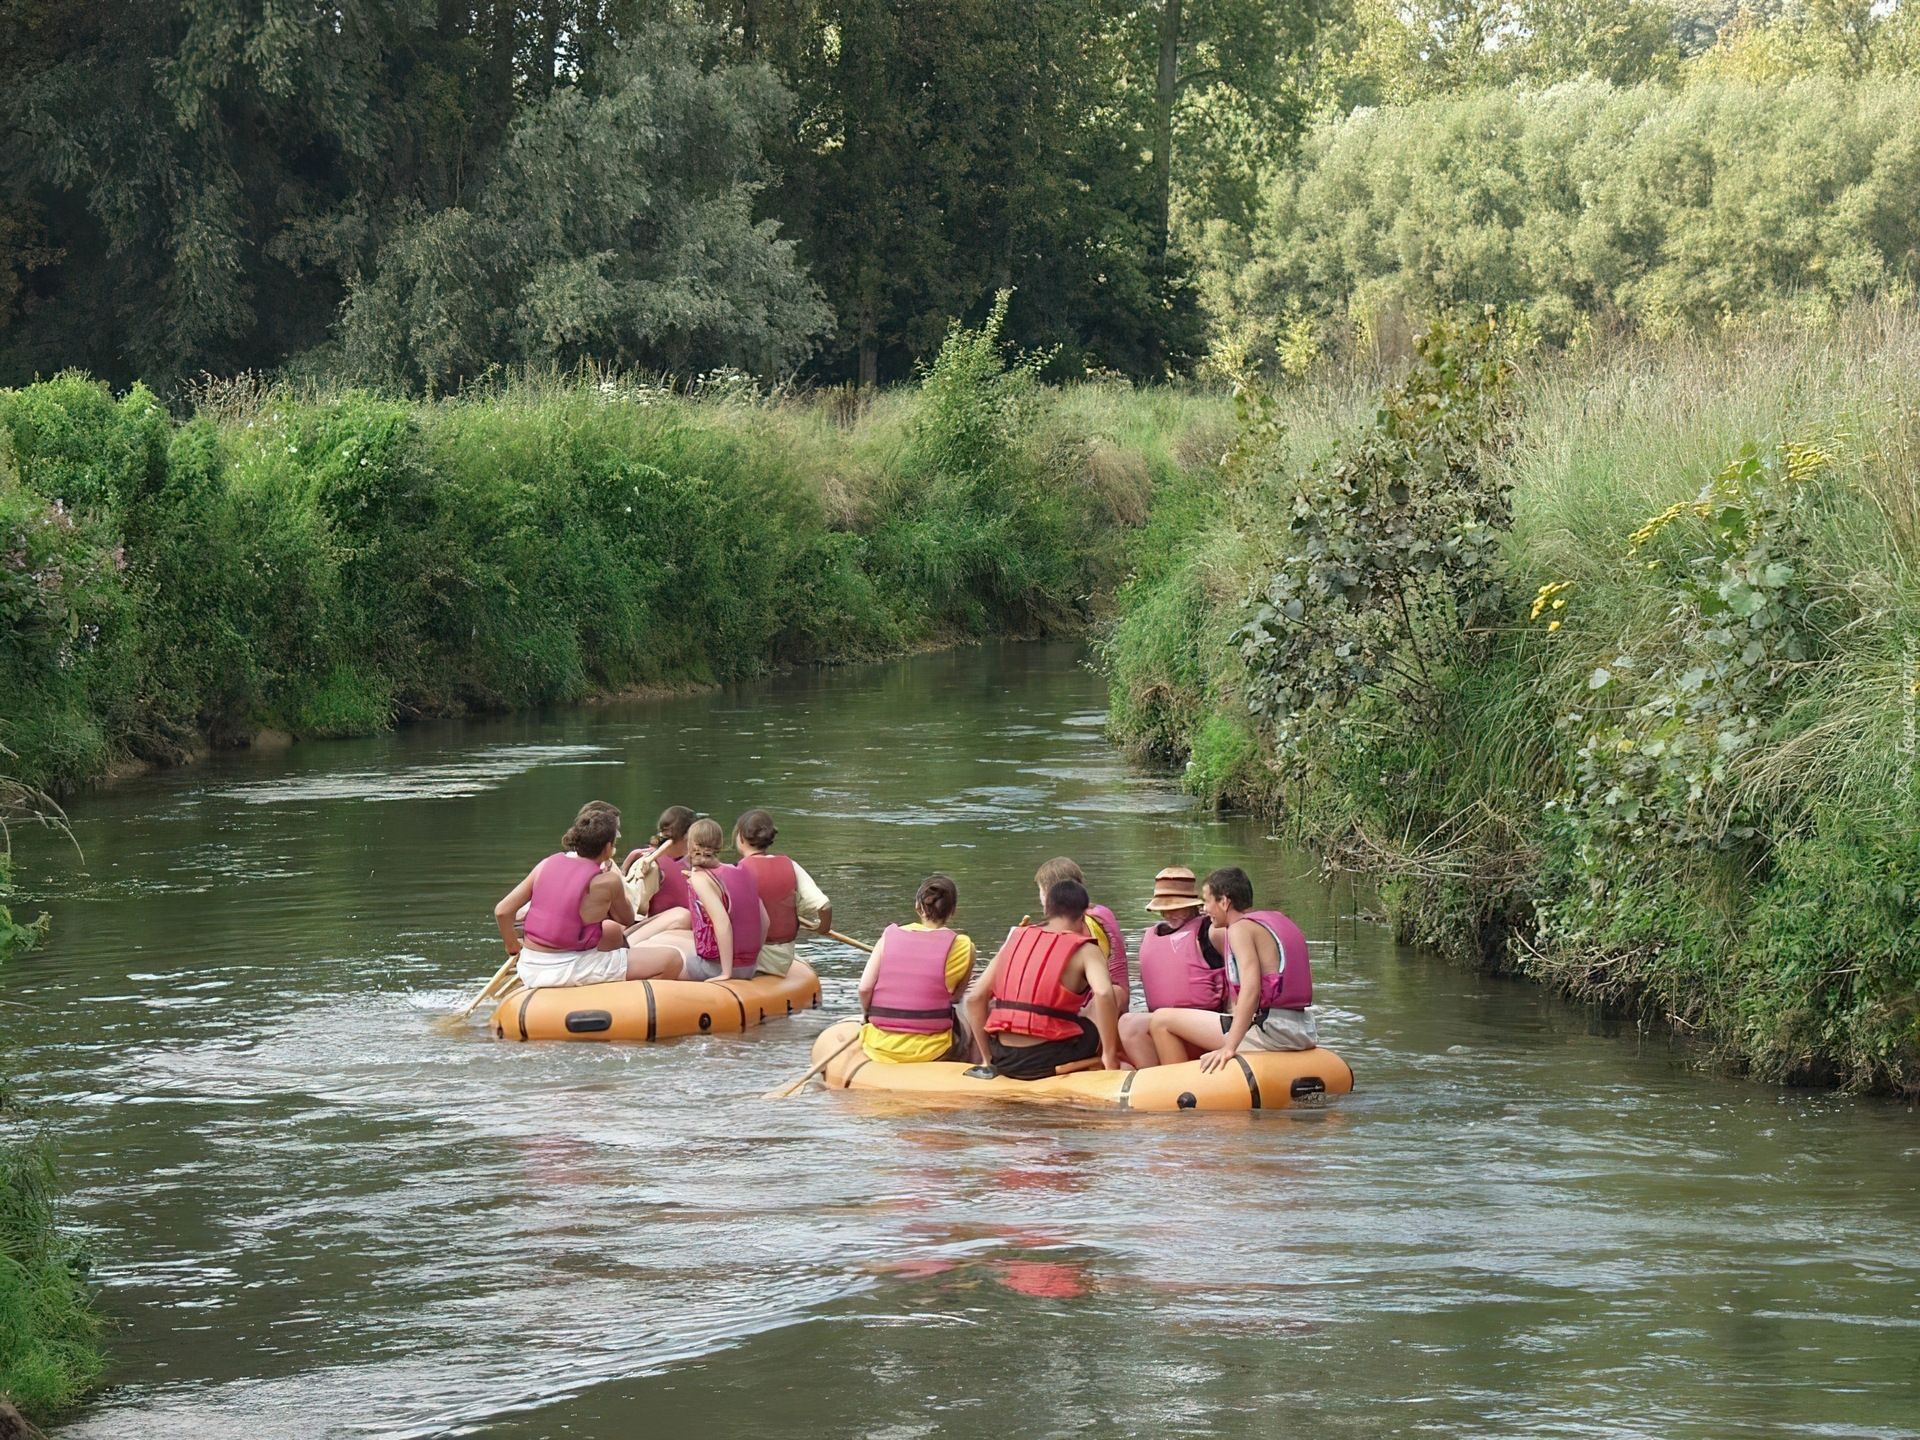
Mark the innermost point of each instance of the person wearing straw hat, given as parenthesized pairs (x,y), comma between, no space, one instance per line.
(1267,981)
(1179,968)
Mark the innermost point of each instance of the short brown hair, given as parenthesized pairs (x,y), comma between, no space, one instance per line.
(937,898)
(1230,883)
(1067,899)
(595,828)
(756,827)
(1054,871)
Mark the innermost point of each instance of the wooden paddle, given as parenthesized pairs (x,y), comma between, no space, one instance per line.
(489,987)
(781,1092)
(849,940)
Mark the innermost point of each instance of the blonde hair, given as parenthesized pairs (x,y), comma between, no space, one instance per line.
(1054,871)
(704,839)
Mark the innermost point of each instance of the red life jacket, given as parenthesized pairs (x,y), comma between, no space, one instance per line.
(1175,971)
(553,914)
(743,909)
(774,875)
(1292,988)
(910,994)
(1029,998)
(1112,941)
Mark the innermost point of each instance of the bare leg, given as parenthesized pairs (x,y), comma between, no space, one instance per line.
(1136,1041)
(654,962)
(1174,1031)
(678,918)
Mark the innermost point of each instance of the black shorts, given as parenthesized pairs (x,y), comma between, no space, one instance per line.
(1036,1062)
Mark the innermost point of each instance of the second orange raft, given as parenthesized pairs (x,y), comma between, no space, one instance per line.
(654,1009)
(1257,1080)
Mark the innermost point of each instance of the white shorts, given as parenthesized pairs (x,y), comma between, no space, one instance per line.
(550,969)
(1282,1030)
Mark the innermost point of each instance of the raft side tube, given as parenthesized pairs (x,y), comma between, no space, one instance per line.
(1260,1080)
(655,1009)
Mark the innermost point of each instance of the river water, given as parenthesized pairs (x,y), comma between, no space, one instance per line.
(318,1214)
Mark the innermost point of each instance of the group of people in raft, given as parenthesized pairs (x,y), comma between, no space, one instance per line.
(1219,976)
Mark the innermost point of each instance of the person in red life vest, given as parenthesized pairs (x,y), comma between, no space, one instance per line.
(1269,984)
(793,901)
(911,988)
(1179,967)
(577,911)
(719,938)
(1027,1001)
(657,877)
(1101,925)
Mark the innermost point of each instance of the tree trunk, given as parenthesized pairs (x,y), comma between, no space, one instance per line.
(869,361)
(1165,93)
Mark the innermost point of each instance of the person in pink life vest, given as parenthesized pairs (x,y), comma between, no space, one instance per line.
(577,911)
(1179,968)
(1102,926)
(657,877)
(794,903)
(913,981)
(1269,984)
(719,938)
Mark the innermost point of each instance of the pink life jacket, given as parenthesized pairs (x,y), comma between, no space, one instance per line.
(672,893)
(910,994)
(774,875)
(1116,949)
(1292,988)
(553,915)
(1175,972)
(742,899)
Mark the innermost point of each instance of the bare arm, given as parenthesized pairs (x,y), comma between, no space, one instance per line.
(979,994)
(509,906)
(870,976)
(609,890)
(1105,1009)
(1247,954)
(713,901)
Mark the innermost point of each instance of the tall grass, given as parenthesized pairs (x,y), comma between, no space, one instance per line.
(328,563)
(1793,952)
(50,1335)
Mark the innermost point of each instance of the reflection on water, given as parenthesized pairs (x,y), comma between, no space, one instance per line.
(318,1214)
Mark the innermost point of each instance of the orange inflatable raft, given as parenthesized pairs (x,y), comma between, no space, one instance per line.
(1259,1080)
(655,1009)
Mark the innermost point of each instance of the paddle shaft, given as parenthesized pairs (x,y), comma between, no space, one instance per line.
(783,1092)
(488,989)
(849,940)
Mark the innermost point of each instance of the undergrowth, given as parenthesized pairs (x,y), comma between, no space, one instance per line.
(327,564)
(1670,766)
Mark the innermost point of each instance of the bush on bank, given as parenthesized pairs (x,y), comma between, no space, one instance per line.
(1672,769)
(50,1334)
(325,564)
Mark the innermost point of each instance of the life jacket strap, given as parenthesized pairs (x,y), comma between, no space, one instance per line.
(945,1012)
(1058,1014)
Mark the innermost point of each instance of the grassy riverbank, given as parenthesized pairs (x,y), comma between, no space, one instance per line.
(326,564)
(50,1350)
(1692,796)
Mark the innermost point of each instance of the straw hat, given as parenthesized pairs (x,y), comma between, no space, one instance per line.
(1174,889)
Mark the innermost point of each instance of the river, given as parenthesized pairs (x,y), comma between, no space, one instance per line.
(316,1213)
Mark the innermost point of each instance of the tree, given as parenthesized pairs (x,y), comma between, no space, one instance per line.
(615,226)
(1248,51)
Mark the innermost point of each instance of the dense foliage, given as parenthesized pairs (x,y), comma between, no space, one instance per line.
(326,564)
(1582,205)
(50,1335)
(1680,780)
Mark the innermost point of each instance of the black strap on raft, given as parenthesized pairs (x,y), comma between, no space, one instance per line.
(1022,1005)
(945,1012)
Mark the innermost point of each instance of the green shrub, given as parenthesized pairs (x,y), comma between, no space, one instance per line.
(50,1336)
